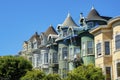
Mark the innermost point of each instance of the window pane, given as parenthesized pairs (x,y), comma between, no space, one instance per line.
(107,48)
(117,42)
(83,48)
(90,47)
(46,58)
(76,50)
(98,49)
(108,73)
(55,58)
(64,52)
(118,69)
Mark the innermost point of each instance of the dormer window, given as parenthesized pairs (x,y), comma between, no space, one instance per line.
(75,32)
(90,24)
(30,45)
(35,45)
(64,33)
(70,32)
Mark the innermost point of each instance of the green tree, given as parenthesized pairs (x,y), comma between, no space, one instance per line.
(53,77)
(89,72)
(34,75)
(12,68)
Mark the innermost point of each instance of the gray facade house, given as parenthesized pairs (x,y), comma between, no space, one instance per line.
(64,44)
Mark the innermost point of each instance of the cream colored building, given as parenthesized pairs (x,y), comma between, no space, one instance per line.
(107,48)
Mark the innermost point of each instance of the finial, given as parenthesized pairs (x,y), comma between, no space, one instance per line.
(81,15)
(68,14)
(50,25)
(36,33)
(92,8)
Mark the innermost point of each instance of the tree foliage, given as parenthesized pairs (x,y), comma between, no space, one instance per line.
(12,68)
(83,72)
(53,77)
(34,75)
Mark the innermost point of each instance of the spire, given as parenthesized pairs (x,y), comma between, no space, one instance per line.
(69,21)
(68,15)
(94,15)
(50,30)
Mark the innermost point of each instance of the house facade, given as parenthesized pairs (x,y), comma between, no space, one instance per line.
(95,40)
(107,42)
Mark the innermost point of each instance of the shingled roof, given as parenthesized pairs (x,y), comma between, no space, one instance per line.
(36,36)
(69,21)
(50,30)
(94,15)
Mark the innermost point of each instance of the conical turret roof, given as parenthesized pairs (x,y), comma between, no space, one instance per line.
(50,30)
(94,15)
(69,21)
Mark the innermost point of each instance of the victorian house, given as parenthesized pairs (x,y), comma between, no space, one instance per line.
(36,50)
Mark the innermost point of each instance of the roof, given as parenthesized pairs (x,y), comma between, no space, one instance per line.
(36,36)
(50,30)
(69,21)
(94,15)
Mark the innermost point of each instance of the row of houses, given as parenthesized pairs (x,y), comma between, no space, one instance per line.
(96,40)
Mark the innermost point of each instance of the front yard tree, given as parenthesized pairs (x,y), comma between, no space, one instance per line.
(34,75)
(83,72)
(12,68)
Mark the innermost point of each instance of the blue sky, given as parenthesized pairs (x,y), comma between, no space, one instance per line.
(20,19)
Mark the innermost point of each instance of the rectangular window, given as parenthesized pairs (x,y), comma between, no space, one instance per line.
(108,73)
(118,69)
(98,47)
(70,52)
(107,48)
(117,42)
(55,58)
(83,48)
(89,47)
(64,33)
(45,58)
(64,52)
(59,55)
(76,50)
